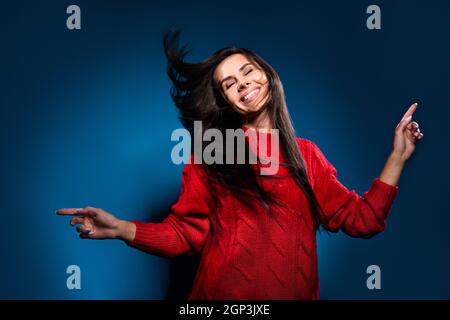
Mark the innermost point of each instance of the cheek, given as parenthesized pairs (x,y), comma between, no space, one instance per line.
(260,77)
(265,85)
(233,98)
(235,103)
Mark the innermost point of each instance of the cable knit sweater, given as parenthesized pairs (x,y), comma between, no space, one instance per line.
(251,255)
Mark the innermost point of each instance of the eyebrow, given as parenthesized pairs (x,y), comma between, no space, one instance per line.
(240,69)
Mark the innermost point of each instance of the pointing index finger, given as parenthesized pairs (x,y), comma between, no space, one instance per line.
(410,110)
(73,211)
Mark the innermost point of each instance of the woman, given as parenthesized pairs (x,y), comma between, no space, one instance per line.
(256,234)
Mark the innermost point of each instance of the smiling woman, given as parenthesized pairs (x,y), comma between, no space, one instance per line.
(213,91)
(256,234)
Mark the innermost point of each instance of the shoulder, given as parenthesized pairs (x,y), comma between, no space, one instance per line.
(307,147)
(313,156)
(194,180)
(303,142)
(194,169)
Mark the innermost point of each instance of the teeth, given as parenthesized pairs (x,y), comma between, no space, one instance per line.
(250,94)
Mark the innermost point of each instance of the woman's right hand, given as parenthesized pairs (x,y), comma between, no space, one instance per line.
(96,223)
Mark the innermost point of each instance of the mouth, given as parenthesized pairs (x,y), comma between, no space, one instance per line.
(251,96)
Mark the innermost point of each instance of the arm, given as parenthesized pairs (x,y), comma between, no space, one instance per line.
(184,230)
(358,216)
(365,216)
(126,231)
(186,227)
(392,170)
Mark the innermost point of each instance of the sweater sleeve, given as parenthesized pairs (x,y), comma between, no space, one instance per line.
(358,216)
(186,226)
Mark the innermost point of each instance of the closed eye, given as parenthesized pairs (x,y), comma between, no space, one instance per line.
(229,86)
(246,73)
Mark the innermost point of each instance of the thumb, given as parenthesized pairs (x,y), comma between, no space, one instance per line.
(402,124)
(88,211)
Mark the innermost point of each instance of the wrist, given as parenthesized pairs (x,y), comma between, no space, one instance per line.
(396,159)
(125,230)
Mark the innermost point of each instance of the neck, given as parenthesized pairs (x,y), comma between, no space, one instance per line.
(262,122)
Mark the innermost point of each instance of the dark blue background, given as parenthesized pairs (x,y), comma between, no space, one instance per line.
(86,119)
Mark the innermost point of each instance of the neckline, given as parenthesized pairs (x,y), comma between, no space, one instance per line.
(266,131)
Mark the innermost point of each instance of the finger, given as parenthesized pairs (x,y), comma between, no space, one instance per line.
(68,211)
(413,132)
(413,125)
(85,236)
(85,213)
(90,211)
(410,135)
(77,220)
(410,111)
(420,136)
(402,124)
(88,224)
(83,229)
(82,212)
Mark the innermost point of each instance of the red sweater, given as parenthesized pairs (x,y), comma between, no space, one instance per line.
(251,255)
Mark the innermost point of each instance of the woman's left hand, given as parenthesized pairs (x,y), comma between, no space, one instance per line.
(407,134)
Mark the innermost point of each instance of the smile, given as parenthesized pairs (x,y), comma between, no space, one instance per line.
(252,95)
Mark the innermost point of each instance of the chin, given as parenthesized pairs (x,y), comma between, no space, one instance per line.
(251,107)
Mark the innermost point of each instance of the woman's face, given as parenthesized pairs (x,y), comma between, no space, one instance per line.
(242,82)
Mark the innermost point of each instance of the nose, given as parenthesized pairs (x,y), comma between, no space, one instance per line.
(242,85)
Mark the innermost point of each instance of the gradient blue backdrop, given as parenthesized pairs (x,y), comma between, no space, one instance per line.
(86,119)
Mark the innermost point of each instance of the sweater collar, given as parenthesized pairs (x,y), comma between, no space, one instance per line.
(264,143)
(259,131)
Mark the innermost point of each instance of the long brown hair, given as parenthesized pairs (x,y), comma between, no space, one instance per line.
(198,96)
